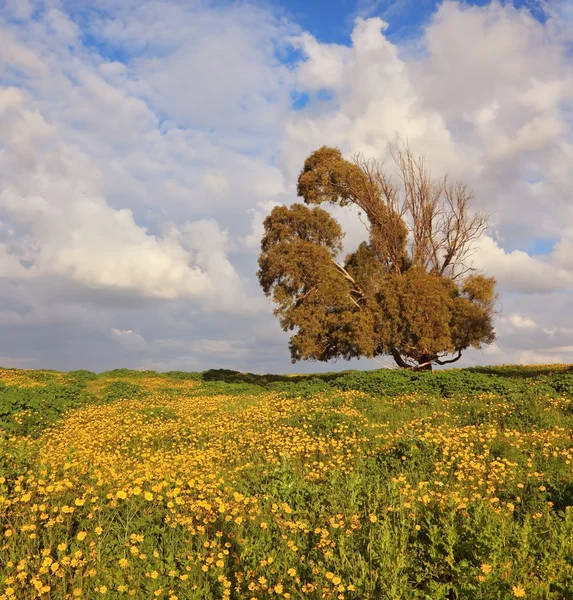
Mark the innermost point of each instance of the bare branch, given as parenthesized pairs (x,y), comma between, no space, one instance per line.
(447,362)
(383,363)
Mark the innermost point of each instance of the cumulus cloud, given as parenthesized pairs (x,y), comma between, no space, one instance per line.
(503,130)
(258,215)
(517,271)
(521,322)
(51,190)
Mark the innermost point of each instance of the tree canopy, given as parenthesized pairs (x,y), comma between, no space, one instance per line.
(408,291)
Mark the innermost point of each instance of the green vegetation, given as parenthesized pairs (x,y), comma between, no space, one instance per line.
(386,484)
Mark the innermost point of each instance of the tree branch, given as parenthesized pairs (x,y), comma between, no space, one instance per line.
(382,361)
(447,362)
(399,360)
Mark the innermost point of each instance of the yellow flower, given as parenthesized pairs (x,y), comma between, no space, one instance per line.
(82,535)
(148,496)
(336,580)
(373,518)
(123,562)
(98,530)
(485,568)
(518,591)
(121,495)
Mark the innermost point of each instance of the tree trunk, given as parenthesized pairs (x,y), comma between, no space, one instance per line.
(425,362)
(425,367)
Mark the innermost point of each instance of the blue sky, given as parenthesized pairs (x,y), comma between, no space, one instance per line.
(143,143)
(331,21)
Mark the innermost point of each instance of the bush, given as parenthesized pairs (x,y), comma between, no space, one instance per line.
(182,376)
(122,390)
(28,411)
(562,384)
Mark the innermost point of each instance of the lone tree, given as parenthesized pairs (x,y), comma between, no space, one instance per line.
(407,292)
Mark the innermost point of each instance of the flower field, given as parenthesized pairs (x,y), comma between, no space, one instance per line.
(359,485)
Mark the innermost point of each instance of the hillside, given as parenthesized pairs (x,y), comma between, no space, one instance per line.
(381,484)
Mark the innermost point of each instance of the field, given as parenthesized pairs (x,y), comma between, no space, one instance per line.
(358,485)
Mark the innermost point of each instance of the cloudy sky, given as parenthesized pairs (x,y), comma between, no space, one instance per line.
(142,143)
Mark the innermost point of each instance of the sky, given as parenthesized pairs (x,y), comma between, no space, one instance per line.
(142,144)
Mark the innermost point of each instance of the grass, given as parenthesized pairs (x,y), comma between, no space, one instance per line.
(450,485)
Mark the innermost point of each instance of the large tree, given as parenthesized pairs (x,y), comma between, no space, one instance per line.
(407,292)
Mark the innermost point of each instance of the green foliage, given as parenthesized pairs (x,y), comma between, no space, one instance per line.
(123,373)
(118,373)
(459,383)
(182,376)
(80,377)
(214,388)
(306,388)
(28,411)
(122,390)
(562,383)
(388,383)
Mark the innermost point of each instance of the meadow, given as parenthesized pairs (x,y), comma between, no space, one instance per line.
(355,485)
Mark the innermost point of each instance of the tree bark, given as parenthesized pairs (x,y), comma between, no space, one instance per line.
(425,363)
(399,360)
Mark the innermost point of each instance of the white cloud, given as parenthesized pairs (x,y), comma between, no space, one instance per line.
(518,271)
(53,191)
(258,215)
(210,245)
(129,339)
(519,321)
